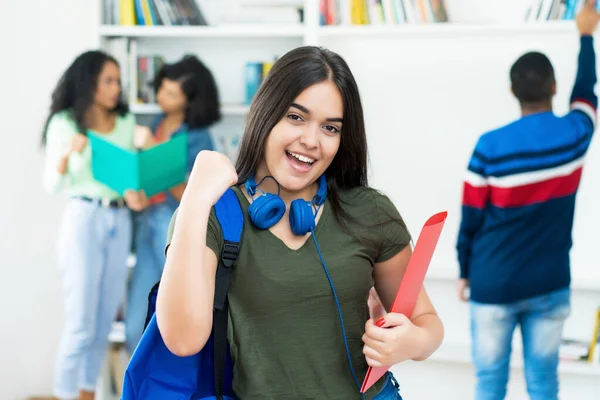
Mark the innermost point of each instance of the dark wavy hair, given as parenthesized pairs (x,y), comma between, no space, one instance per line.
(294,72)
(76,88)
(199,87)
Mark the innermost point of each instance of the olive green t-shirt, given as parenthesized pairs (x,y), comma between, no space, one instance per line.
(284,330)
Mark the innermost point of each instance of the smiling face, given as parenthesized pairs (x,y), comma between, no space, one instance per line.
(302,145)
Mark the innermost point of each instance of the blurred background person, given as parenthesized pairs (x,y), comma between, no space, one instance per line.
(95,233)
(518,209)
(189,101)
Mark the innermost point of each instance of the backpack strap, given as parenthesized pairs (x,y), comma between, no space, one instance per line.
(231,218)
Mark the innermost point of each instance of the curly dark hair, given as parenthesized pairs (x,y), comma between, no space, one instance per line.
(199,87)
(76,88)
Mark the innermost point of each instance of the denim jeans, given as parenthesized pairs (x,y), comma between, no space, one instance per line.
(541,321)
(391,389)
(150,240)
(93,245)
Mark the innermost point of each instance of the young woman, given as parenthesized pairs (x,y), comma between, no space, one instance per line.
(188,97)
(95,234)
(285,332)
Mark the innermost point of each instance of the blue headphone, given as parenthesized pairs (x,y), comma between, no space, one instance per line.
(267,209)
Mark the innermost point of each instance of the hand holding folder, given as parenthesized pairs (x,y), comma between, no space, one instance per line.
(412,281)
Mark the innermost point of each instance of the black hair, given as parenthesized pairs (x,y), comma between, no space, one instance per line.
(532,78)
(198,86)
(291,74)
(76,88)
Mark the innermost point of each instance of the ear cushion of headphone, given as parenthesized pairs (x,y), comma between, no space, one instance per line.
(302,219)
(266,210)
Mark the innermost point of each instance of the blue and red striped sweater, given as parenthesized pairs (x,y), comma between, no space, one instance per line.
(519,197)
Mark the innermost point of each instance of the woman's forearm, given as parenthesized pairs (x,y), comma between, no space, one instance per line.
(430,337)
(186,295)
(54,171)
(63,164)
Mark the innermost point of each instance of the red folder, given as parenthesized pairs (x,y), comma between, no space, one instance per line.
(412,282)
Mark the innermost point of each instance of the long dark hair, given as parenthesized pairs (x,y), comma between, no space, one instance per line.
(199,87)
(291,75)
(76,88)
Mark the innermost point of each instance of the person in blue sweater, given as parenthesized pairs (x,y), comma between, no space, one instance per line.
(189,100)
(517,216)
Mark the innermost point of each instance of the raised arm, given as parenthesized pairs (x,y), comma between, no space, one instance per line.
(186,296)
(583,97)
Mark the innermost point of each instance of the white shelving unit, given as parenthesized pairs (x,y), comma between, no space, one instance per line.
(224,31)
(444,29)
(227,109)
(289,36)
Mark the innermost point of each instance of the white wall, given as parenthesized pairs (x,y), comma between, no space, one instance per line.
(38,39)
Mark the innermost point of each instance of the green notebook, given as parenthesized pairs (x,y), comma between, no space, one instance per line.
(154,170)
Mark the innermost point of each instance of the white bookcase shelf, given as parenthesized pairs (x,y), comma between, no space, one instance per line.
(226,109)
(443,29)
(339,31)
(222,31)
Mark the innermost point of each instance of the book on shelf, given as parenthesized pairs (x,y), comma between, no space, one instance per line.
(152,13)
(153,170)
(138,72)
(380,12)
(255,73)
(552,10)
(147,70)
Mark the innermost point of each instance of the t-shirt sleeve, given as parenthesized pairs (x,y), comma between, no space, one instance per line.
(393,233)
(214,236)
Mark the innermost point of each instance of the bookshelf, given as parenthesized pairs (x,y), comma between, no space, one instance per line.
(240,42)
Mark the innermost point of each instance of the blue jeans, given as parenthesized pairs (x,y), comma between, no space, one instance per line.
(93,245)
(391,389)
(541,321)
(151,237)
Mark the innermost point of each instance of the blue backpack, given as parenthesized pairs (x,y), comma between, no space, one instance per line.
(154,373)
